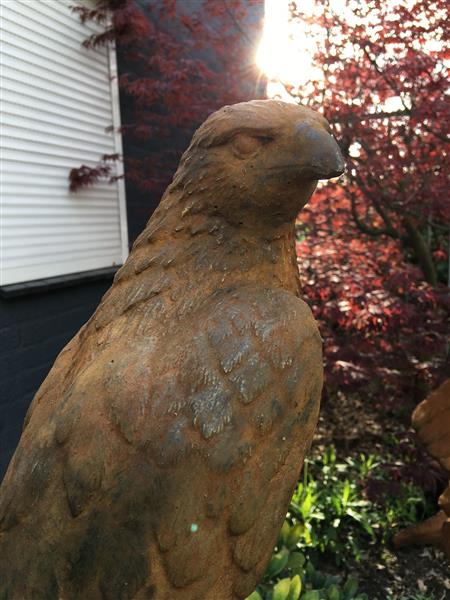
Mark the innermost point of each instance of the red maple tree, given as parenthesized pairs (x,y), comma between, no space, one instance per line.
(374,261)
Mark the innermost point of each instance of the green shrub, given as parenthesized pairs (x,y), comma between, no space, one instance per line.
(331,515)
(290,576)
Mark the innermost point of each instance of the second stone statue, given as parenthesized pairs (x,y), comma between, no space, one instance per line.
(159,456)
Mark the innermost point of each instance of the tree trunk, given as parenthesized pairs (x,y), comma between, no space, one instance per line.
(421,250)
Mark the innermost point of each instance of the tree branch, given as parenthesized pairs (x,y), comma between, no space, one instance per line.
(363,227)
(421,250)
(404,112)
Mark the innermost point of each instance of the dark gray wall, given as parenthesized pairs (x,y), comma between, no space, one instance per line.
(33,330)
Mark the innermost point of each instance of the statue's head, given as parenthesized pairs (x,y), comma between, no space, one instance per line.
(261,158)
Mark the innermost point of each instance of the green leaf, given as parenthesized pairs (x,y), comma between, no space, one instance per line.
(294,535)
(332,580)
(306,505)
(285,532)
(350,588)
(295,588)
(333,592)
(337,505)
(310,572)
(296,562)
(320,580)
(311,595)
(277,563)
(254,596)
(346,492)
(308,538)
(362,520)
(281,589)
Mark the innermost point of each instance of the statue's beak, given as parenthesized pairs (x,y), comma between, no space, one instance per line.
(322,156)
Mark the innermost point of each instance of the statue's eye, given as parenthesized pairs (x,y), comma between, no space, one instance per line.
(244,144)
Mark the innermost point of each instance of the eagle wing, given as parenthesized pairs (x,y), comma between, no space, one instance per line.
(233,404)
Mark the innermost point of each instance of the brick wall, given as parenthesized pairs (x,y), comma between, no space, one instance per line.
(33,330)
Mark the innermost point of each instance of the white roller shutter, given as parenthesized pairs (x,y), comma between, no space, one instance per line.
(57,101)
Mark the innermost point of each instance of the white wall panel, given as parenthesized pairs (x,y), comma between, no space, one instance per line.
(57,99)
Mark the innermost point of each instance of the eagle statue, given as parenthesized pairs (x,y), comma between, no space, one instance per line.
(159,456)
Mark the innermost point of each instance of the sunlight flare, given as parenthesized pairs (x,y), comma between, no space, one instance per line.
(285,53)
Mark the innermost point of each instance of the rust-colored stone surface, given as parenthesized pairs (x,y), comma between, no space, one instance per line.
(159,456)
(431,418)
